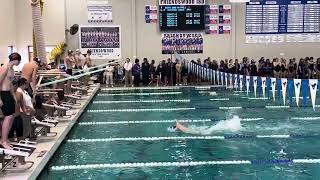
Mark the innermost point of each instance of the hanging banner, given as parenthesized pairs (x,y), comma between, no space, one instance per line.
(297,89)
(255,84)
(103,41)
(182,43)
(241,82)
(212,19)
(151,9)
(264,85)
(221,78)
(214,77)
(313,84)
(273,87)
(235,83)
(248,84)
(224,9)
(284,83)
(212,9)
(225,19)
(151,18)
(226,29)
(225,79)
(99,12)
(212,29)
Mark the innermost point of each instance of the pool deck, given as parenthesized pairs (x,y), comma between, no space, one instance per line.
(50,144)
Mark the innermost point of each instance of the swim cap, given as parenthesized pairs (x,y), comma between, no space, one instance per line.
(15,56)
(37,60)
(62,67)
(172,129)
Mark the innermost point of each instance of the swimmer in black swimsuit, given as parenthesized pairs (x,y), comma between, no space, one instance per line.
(7,95)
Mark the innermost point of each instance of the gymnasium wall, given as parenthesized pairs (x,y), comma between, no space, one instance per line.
(7,30)
(139,39)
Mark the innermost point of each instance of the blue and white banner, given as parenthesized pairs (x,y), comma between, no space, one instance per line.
(230,80)
(273,87)
(284,83)
(248,84)
(297,89)
(236,84)
(313,83)
(264,85)
(226,78)
(255,85)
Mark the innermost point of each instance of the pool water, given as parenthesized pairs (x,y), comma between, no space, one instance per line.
(205,110)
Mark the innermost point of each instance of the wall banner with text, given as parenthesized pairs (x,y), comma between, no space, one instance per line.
(103,41)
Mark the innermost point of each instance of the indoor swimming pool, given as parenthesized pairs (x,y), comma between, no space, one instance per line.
(123,134)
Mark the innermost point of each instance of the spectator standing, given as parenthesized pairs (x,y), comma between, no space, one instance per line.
(136,71)
(128,72)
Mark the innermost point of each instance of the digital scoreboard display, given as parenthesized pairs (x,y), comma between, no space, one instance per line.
(282,16)
(181,17)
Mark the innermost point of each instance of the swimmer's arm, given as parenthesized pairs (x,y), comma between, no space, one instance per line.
(34,79)
(3,72)
(185,129)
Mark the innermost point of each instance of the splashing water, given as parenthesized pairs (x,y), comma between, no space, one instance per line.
(233,125)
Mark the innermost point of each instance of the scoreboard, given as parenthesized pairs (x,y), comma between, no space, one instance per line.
(282,17)
(181,17)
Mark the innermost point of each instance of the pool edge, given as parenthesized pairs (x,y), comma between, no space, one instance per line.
(36,172)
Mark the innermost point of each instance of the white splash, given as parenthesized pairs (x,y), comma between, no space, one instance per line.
(233,125)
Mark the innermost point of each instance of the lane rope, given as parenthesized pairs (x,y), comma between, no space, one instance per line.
(186,164)
(140,110)
(141,94)
(142,101)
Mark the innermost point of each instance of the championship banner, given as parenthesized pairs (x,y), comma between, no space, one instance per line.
(151,15)
(151,18)
(273,87)
(255,85)
(182,2)
(212,9)
(297,89)
(225,19)
(284,82)
(212,29)
(224,29)
(182,43)
(103,41)
(211,19)
(224,9)
(313,83)
(151,9)
(99,12)
(264,85)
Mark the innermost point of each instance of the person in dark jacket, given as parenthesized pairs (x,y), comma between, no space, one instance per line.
(136,70)
(145,69)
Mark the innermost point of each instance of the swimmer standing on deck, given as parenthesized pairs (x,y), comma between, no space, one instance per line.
(29,72)
(8,99)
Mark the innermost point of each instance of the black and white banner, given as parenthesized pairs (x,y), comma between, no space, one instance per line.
(182,43)
(103,41)
(99,12)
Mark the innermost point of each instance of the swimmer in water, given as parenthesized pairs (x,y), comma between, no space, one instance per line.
(184,129)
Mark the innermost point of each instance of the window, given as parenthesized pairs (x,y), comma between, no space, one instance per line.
(49,48)
(11,49)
